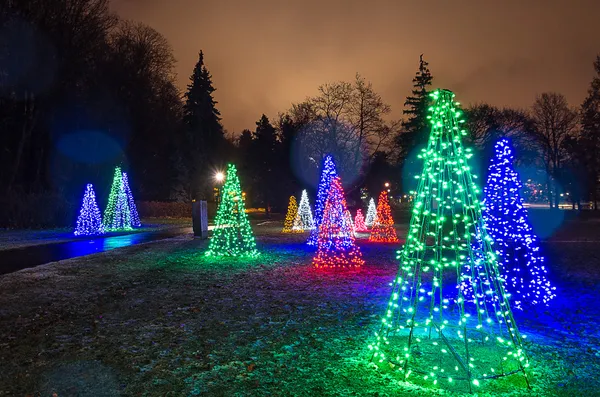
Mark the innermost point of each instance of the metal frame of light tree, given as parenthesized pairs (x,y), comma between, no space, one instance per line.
(117,213)
(328,172)
(428,331)
(336,248)
(383,229)
(135,217)
(304,219)
(517,246)
(232,235)
(371,213)
(89,221)
(290,217)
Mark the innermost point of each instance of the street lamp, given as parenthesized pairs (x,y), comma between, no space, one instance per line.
(219,177)
(387,184)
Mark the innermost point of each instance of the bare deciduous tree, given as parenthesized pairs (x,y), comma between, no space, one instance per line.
(345,119)
(555,122)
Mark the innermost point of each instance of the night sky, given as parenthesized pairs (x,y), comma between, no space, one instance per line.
(265,55)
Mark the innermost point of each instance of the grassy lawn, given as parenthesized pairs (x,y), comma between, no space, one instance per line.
(160,319)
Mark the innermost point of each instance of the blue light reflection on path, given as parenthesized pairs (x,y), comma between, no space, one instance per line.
(21,258)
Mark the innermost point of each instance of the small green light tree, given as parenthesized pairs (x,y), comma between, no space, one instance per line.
(117,215)
(431,333)
(232,235)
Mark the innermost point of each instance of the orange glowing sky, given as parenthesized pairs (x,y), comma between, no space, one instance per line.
(265,55)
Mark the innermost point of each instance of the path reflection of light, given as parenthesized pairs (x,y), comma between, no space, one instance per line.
(122,241)
(87,247)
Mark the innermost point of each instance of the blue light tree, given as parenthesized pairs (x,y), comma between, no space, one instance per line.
(517,246)
(89,221)
(327,174)
(134,216)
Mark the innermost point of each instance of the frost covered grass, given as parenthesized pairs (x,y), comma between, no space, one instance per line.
(161,319)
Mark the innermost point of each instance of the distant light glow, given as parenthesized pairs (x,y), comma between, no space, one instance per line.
(383,230)
(371,213)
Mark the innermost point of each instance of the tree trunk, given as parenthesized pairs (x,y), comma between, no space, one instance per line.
(549,190)
(29,122)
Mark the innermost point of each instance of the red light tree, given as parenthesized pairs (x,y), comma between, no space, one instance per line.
(383,229)
(335,246)
(359,222)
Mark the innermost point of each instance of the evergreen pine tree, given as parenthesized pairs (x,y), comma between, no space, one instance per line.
(590,133)
(205,141)
(264,154)
(414,132)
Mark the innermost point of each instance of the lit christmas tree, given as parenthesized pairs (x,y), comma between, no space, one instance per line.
(232,235)
(304,218)
(348,219)
(519,259)
(89,222)
(135,218)
(122,218)
(335,246)
(290,217)
(383,229)
(371,213)
(117,214)
(430,334)
(327,174)
(359,222)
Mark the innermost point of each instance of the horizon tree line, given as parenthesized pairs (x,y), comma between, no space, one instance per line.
(79,95)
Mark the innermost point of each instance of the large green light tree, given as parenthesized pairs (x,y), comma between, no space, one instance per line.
(431,332)
(232,235)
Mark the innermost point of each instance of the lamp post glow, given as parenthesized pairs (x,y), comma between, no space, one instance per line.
(219,178)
